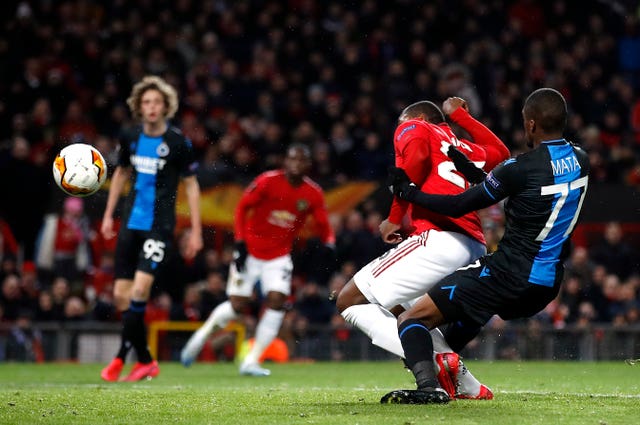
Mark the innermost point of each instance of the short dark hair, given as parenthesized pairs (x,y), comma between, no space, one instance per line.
(548,108)
(428,109)
(300,147)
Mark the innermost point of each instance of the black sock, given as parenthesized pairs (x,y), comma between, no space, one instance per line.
(136,331)
(459,334)
(125,344)
(418,351)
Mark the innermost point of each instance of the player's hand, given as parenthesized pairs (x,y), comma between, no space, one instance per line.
(463,164)
(240,255)
(106,228)
(389,232)
(194,245)
(400,184)
(331,255)
(451,104)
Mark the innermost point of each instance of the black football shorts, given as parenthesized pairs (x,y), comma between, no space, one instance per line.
(146,251)
(474,293)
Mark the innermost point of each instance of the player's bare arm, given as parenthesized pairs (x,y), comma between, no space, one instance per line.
(389,232)
(120,176)
(192,189)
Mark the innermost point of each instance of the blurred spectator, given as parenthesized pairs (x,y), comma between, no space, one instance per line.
(213,293)
(25,189)
(60,292)
(63,248)
(372,159)
(616,254)
(75,309)
(359,242)
(159,308)
(44,310)
(190,309)
(313,304)
(579,263)
(8,245)
(24,343)
(12,299)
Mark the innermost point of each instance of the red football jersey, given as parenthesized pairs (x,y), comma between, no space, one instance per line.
(272,211)
(421,150)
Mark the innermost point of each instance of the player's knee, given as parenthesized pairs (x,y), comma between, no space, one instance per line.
(121,301)
(139,294)
(275,300)
(239,304)
(342,302)
(410,315)
(349,295)
(404,316)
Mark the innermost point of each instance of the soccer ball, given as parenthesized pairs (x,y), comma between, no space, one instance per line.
(79,170)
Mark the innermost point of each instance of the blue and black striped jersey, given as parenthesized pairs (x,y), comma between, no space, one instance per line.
(545,189)
(158,164)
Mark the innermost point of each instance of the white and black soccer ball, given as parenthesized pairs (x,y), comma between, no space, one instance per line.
(79,170)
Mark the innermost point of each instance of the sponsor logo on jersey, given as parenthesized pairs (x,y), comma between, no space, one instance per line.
(147,165)
(302,204)
(565,165)
(282,218)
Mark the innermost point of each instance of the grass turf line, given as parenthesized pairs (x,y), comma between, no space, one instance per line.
(603,393)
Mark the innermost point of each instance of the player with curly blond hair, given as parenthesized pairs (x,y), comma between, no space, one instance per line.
(154,156)
(153,82)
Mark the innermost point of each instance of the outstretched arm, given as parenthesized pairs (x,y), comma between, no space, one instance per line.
(472,199)
(463,164)
(456,109)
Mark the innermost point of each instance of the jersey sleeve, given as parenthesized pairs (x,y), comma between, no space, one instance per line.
(496,150)
(321,216)
(505,180)
(188,163)
(251,197)
(412,154)
(124,152)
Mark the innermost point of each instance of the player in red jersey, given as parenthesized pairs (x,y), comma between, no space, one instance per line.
(437,245)
(272,210)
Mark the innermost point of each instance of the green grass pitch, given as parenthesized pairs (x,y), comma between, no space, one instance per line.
(317,393)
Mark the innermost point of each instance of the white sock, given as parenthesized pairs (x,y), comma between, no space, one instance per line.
(439,343)
(219,318)
(378,324)
(467,383)
(266,331)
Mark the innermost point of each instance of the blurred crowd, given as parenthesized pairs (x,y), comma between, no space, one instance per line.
(254,76)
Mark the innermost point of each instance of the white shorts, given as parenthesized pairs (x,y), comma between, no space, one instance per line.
(407,271)
(274,275)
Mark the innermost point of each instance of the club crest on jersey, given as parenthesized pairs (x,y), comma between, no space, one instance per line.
(162,149)
(302,204)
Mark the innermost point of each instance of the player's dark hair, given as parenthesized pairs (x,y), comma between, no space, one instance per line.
(428,109)
(548,108)
(301,147)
